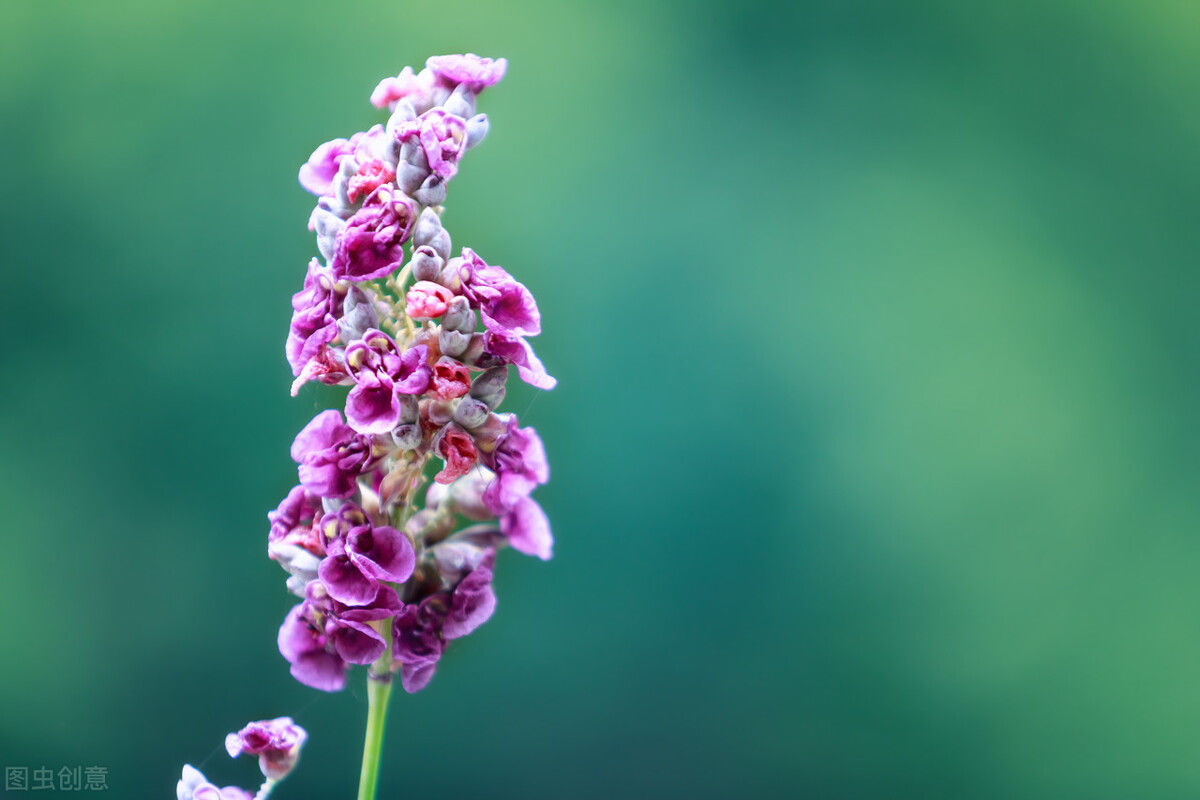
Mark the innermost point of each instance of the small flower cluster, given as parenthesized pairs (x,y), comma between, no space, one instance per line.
(277,744)
(389,571)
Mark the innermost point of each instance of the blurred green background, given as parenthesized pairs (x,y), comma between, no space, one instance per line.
(875,461)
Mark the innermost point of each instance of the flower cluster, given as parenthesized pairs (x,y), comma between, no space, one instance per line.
(277,744)
(389,566)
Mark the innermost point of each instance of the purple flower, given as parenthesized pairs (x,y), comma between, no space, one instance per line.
(276,742)
(417,88)
(331,455)
(474,72)
(194,786)
(371,244)
(316,309)
(457,449)
(305,645)
(518,352)
(293,542)
(504,303)
(317,175)
(519,461)
(347,628)
(527,529)
(381,374)
(472,602)
(417,641)
(360,555)
(292,520)
(443,138)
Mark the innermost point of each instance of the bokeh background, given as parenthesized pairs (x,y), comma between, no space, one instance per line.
(875,463)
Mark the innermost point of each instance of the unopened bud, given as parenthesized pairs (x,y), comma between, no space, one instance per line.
(426,264)
(453,343)
(358,315)
(477,128)
(461,102)
(438,412)
(471,413)
(459,316)
(403,113)
(432,191)
(410,408)
(488,387)
(409,177)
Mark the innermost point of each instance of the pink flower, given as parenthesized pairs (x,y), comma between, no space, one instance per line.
(276,742)
(371,244)
(450,378)
(443,137)
(372,174)
(474,72)
(416,87)
(427,300)
(457,449)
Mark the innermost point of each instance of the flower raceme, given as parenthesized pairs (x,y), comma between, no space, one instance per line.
(406,494)
(381,559)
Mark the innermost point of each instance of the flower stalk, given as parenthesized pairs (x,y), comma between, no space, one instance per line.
(379,691)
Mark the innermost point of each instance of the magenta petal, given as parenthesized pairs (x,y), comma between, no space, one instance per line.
(528,530)
(320,670)
(391,555)
(472,604)
(372,406)
(513,312)
(357,642)
(323,430)
(345,583)
(415,677)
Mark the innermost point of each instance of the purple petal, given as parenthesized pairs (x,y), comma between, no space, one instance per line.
(323,431)
(345,583)
(357,642)
(391,554)
(372,406)
(528,529)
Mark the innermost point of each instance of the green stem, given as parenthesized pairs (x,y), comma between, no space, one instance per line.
(379,688)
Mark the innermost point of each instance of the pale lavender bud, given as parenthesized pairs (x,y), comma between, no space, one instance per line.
(409,177)
(454,558)
(453,343)
(451,274)
(488,387)
(471,413)
(426,264)
(426,524)
(461,102)
(427,226)
(439,412)
(459,316)
(466,494)
(407,436)
(358,315)
(403,113)
(432,191)
(300,564)
(474,350)
(477,128)
(410,408)
(326,224)
(347,170)
(441,243)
